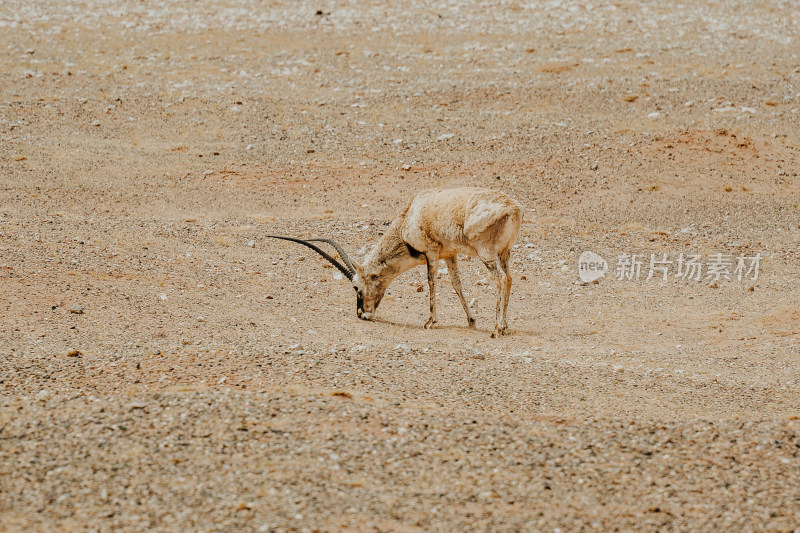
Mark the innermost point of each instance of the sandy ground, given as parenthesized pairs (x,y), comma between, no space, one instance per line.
(158,372)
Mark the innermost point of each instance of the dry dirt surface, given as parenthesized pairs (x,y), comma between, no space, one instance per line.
(165,366)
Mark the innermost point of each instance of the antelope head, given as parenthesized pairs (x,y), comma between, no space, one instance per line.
(369,285)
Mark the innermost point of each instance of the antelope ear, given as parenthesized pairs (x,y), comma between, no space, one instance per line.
(359,271)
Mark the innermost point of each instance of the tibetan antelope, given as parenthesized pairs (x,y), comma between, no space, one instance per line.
(436,224)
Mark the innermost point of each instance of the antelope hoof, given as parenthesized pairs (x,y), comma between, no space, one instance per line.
(429,324)
(498,332)
(471,323)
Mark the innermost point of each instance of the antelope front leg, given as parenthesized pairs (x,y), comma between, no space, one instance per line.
(452,268)
(433,262)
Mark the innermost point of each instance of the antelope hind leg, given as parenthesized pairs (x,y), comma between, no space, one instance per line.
(432,261)
(501,279)
(506,269)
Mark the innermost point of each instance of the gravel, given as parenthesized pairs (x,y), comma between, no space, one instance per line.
(164,365)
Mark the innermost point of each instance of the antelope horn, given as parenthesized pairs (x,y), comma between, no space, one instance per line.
(333,261)
(341,252)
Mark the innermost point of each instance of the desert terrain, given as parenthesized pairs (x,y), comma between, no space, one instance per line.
(165,366)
